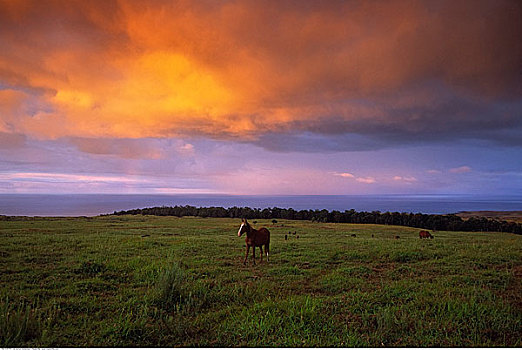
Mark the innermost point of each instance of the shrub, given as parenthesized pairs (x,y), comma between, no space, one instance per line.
(171,294)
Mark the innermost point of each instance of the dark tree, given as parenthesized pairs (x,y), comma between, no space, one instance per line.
(450,222)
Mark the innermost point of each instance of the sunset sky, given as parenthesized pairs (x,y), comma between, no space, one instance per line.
(261,97)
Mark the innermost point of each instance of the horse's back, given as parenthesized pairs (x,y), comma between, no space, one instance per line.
(265,234)
(424,234)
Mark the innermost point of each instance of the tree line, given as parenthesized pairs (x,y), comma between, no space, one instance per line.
(450,222)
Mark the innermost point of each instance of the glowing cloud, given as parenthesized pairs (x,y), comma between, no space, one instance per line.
(348,175)
(366,180)
(241,70)
(460,170)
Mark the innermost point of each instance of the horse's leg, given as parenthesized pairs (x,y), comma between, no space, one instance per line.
(261,249)
(246,255)
(254,253)
(266,250)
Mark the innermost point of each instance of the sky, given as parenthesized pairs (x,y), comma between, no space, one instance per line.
(261,97)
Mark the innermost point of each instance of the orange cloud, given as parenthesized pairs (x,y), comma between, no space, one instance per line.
(237,70)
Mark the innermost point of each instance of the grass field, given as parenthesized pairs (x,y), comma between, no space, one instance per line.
(166,281)
(515,216)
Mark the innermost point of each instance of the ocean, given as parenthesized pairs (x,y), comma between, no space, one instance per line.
(96,204)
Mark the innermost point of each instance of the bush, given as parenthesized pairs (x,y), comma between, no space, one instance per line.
(171,294)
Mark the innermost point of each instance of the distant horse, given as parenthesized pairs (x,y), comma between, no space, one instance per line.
(425,234)
(254,238)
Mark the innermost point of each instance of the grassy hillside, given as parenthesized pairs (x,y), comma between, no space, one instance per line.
(515,216)
(167,281)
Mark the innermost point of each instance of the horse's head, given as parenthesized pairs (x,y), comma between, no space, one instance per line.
(245,227)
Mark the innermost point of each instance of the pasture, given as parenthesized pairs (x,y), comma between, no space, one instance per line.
(167,281)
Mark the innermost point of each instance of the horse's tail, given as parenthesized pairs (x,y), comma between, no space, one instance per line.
(267,245)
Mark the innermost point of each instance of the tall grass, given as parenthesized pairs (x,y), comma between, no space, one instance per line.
(22,322)
(178,291)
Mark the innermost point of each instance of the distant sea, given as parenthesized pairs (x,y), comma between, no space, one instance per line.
(96,204)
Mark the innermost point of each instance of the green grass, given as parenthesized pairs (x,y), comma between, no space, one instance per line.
(166,281)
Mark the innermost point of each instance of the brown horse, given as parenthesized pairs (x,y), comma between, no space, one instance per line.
(254,238)
(425,234)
